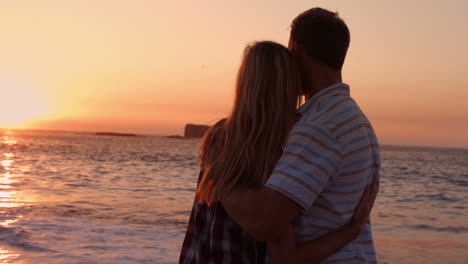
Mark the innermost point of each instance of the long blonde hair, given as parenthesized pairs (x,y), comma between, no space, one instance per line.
(248,143)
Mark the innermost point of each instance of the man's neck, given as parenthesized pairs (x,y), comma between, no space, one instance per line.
(314,85)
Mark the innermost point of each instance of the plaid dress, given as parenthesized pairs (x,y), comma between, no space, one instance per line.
(213,237)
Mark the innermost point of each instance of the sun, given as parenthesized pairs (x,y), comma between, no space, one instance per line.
(19,104)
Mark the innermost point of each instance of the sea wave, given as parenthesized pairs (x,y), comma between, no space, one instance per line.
(448,229)
(17,237)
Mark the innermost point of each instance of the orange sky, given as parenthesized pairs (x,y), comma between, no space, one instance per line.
(151,66)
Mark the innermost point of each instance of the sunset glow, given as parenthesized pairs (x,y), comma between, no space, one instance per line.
(19,104)
(150,67)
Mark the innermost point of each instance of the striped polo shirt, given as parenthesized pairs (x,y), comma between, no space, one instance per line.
(331,154)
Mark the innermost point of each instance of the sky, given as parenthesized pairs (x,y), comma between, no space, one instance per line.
(150,67)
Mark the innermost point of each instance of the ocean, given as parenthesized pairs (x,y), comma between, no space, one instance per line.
(82,198)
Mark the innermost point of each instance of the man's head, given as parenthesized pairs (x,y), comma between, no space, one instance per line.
(322,36)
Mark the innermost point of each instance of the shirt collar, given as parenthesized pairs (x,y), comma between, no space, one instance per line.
(335,89)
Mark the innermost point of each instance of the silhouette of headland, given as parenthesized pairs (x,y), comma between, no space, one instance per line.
(115,134)
(195,131)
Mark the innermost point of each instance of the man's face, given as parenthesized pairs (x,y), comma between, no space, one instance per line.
(296,52)
(294,49)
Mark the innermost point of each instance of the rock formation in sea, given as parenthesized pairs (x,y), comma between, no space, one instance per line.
(195,131)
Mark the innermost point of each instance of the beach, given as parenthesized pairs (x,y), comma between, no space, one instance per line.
(83,198)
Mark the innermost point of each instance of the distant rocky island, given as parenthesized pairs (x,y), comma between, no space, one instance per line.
(190,131)
(115,134)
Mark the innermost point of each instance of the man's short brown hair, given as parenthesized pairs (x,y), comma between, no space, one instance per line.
(323,34)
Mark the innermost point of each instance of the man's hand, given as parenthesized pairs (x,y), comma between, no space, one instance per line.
(363,210)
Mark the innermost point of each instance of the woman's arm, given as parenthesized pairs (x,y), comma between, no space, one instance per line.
(285,250)
(317,250)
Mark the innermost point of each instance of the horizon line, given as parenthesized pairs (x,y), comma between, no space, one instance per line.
(166,135)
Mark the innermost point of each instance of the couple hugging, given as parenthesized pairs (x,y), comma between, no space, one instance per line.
(282,184)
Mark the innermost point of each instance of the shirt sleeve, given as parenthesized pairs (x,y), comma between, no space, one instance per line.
(310,159)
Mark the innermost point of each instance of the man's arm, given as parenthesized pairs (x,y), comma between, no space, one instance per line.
(310,158)
(284,249)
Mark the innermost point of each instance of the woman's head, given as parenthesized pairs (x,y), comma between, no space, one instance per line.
(267,89)
(267,81)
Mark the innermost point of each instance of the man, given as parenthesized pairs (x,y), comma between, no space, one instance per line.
(330,156)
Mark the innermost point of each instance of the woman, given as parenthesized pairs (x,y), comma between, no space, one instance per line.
(241,151)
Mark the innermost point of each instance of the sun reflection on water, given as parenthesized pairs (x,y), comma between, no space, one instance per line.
(7,256)
(6,163)
(6,180)
(8,197)
(8,140)
(10,221)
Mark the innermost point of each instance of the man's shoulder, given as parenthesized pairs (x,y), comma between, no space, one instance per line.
(340,119)
(339,107)
(327,116)
(342,113)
